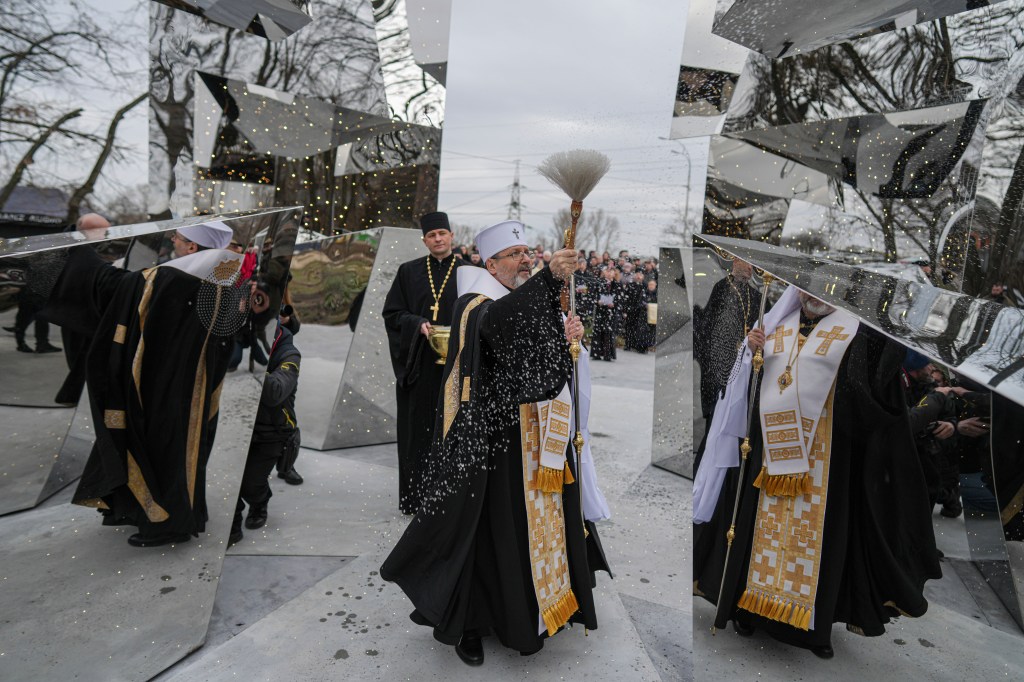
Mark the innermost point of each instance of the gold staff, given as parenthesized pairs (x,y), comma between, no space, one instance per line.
(756,363)
(576,173)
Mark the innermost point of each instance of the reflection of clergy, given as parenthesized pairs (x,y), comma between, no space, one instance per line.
(154,370)
(499,545)
(834,523)
(422,295)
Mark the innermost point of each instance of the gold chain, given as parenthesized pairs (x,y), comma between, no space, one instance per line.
(744,306)
(437,294)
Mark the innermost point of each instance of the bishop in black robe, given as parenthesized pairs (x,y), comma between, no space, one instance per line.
(465,559)
(417,374)
(878,545)
(154,373)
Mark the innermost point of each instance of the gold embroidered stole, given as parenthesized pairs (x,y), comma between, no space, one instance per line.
(452,397)
(545,523)
(785,560)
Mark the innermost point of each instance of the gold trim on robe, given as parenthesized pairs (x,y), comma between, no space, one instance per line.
(137,484)
(147,294)
(451,385)
(785,559)
(545,524)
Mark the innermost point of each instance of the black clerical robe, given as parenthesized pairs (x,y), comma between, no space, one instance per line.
(464,561)
(154,375)
(417,374)
(877,546)
(718,330)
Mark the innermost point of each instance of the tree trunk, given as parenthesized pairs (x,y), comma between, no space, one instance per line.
(19,170)
(75,202)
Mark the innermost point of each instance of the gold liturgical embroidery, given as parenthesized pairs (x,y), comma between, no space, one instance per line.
(782,582)
(545,524)
(451,385)
(114,419)
(120,333)
(137,484)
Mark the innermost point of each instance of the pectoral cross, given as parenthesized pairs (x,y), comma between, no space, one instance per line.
(830,336)
(435,308)
(779,335)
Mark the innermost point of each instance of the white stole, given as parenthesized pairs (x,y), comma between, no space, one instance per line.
(791,402)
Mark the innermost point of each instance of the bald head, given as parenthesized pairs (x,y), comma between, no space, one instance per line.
(91,221)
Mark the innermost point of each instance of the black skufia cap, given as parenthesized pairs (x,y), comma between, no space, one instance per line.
(434,221)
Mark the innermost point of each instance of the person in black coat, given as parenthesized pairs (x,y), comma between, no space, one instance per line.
(275,430)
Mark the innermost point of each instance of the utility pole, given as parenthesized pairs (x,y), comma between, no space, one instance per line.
(515,206)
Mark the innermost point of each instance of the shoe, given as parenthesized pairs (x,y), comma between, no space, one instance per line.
(112,520)
(742,629)
(141,540)
(257,516)
(24,348)
(13,330)
(235,537)
(47,348)
(951,510)
(291,477)
(470,649)
(824,651)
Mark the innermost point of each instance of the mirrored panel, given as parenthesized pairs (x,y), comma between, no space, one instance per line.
(672,438)
(72,106)
(271,19)
(982,342)
(168,429)
(708,71)
(780,29)
(963,57)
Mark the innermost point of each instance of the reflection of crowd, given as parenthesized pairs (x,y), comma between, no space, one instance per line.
(617,297)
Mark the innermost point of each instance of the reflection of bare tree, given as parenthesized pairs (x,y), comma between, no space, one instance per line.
(334,59)
(48,61)
(595,230)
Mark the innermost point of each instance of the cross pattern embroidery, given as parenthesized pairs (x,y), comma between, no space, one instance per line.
(780,335)
(803,533)
(515,231)
(830,336)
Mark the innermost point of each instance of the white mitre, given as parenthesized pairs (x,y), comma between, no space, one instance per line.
(212,235)
(499,237)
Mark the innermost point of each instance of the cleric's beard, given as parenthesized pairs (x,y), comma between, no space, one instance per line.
(817,308)
(520,279)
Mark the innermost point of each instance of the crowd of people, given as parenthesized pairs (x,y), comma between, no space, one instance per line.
(617,297)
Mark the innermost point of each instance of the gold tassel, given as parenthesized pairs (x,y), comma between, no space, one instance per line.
(805,622)
(559,613)
(784,485)
(759,481)
(548,480)
(787,612)
(567,475)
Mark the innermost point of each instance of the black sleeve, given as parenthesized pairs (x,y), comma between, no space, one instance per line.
(524,331)
(282,382)
(405,342)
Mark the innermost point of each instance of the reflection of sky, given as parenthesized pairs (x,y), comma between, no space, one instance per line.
(100,96)
(1005,345)
(531,78)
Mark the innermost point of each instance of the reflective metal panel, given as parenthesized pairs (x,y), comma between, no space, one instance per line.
(338,289)
(708,72)
(414,94)
(332,65)
(964,57)
(271,19)
(672,438)
(982,340)
(135,610)
(779,29)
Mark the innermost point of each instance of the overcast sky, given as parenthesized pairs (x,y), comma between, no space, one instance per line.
(530,78)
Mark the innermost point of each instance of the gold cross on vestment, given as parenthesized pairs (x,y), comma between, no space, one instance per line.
(779,335)
(435,308)
(830,336)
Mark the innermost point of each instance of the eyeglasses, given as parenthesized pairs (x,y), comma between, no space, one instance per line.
(516,254)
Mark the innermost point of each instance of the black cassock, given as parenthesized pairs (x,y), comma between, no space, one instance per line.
(154,375)
(606,320)
(417,374)
(878,546)
(464,560)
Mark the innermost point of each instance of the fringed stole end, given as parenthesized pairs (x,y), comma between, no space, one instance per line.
(784,485)
(551,480)
(559,613)
(776,608)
